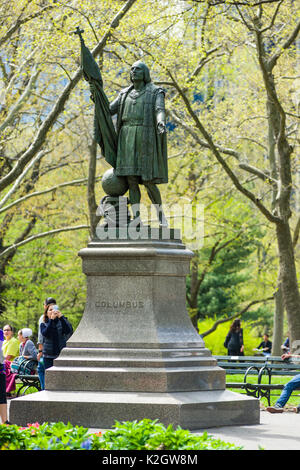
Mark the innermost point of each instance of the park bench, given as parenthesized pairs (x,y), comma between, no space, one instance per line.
(25,373)
(261,366)
(27,381)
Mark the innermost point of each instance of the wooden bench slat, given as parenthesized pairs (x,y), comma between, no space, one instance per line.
(236,364)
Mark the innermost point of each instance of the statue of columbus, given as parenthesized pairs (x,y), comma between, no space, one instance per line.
(137,148)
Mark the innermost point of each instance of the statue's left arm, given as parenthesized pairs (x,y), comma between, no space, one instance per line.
(113,107)
(160,112)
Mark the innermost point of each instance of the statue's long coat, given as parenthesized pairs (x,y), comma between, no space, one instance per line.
(154,157)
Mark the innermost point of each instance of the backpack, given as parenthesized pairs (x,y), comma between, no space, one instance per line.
(22,366)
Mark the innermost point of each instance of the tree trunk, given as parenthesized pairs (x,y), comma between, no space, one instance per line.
(288,279)
(278,322)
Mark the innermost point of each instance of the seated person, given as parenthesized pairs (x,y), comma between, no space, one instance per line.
(286,345)
(11,345)
(266,346)
(27,347)
(10,350)
(292,385)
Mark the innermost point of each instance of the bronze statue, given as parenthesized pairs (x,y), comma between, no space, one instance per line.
(138,148)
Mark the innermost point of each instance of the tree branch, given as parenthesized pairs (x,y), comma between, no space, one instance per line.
(203,143)
(239,314)
(60,104)
(9,255)
(259,173)
(215,250)
(296,233)
(21,177)
(15,109)
(20,21)
(14,246)
(272,218)
(45,191)
(273,18)
(289,41)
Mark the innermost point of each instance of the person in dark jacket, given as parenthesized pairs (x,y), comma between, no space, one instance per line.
(54,329)
(234,341)
(41,368)
(266,345)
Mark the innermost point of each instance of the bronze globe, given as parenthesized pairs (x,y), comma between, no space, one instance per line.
(114,185)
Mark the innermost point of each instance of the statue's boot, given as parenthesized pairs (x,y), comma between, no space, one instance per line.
(136,216)
(161,217)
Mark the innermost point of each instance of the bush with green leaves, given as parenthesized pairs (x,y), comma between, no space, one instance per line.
(129,435)
(47,436)
(152,435)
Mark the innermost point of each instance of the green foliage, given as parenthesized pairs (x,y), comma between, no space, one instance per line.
(215,341)
(129,435)
(150,435)
(44,269)
(48,436)
(227,265)
(220,289)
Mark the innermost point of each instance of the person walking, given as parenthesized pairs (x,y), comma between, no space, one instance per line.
(234,341)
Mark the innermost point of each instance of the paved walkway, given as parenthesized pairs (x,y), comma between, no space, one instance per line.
(275,432)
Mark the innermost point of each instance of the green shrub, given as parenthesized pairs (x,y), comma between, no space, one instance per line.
(135,435)
(215,341)
(47,436)
(151,435)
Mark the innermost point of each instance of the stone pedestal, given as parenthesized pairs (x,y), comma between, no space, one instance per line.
(135,353)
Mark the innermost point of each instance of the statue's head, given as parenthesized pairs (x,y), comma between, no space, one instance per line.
(138,68)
